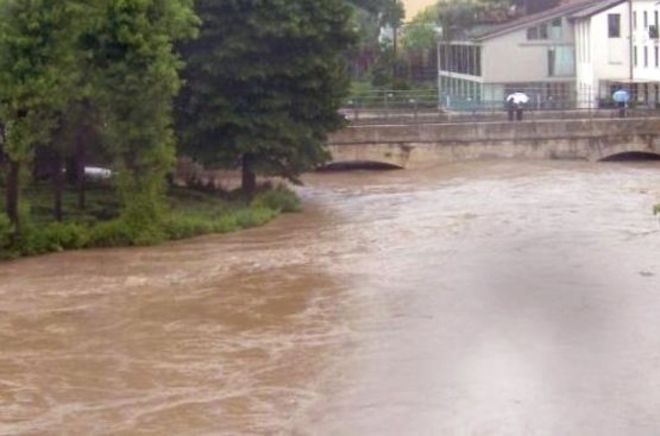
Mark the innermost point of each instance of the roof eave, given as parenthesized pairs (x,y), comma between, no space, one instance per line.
(597,11)
(548,15)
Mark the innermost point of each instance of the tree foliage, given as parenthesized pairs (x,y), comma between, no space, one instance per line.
(135,73)
(420,33)
(37,58)
(456,16)
(264,82)
(61,58)
(99,78)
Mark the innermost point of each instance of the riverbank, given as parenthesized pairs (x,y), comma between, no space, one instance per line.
(188,213)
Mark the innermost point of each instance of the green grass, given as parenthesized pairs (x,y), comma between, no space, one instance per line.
(189,213)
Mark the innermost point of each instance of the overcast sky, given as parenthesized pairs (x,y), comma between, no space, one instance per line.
(414,6)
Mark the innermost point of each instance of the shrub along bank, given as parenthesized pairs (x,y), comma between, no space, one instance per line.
(189,213)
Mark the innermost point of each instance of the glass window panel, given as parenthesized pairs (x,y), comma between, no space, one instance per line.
(614,25)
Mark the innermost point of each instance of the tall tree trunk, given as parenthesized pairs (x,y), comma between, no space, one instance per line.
(11,195)
(58,185)
(249,178)
(81,147)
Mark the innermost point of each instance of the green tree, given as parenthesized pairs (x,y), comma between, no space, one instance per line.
(420,32)
(457,16)
(264,82)
(136,76)
(37,59)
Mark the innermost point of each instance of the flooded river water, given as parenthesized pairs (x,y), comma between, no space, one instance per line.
(516,298)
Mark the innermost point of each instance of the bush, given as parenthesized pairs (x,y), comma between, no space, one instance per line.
(53,237)
(181,226)
(66,236)
(111,234)
(225,224)
(255,216)
(199,215)
(280,199)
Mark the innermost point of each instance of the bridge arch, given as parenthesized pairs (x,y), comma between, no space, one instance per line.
(631,156)
(635,149)
(359,165)
(372,155)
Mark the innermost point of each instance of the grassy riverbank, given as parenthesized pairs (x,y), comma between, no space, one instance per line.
(189,213)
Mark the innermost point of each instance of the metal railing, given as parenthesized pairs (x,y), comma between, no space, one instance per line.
(401,110)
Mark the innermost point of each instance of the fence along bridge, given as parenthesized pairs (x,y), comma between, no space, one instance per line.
(417,145)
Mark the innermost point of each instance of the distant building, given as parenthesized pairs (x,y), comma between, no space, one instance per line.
(534,54)
(575,53)
(617,47)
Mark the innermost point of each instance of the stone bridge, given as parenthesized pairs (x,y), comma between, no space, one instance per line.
(423,145)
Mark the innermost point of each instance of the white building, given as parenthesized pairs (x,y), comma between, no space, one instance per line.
(575,54)
(617,47)
(534,54)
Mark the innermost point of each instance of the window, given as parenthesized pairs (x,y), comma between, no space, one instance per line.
(549,30)
(555,29)
(561,61)
(635,20)
(646,19)
(655,55)
(614,25)
(460,58)
(551,62)
(533,33)
(635,55)
(646,56)
(655,19)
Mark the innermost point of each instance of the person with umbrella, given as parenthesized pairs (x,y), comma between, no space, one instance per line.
(510,108)
(621,97)
(516,100)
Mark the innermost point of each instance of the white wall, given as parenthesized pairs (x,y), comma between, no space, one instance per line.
(512,58)
(611,56)
(601,59)
(641,40)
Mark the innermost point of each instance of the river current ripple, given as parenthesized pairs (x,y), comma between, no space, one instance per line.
(504,297)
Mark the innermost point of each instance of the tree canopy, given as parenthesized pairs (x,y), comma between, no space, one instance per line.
(137,77)
(118,56)
(37,72)
(455,16)
(264,82)
(420,32)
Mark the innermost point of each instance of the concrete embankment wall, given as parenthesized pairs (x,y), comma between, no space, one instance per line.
(431,144)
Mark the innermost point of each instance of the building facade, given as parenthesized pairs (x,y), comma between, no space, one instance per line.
(617,47)
(534,54)
(575,54)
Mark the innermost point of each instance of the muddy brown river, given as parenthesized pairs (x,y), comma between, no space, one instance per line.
(482,298)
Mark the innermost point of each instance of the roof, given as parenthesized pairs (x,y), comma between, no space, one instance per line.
(572,10)
(596,8)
